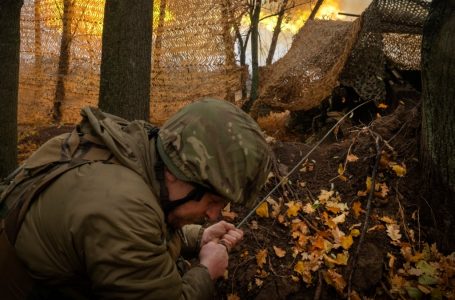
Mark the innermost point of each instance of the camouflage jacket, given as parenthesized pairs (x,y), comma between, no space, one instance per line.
(98,231)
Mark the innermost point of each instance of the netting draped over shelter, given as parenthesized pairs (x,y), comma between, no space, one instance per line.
(309,71)
(390,31)
(192,55)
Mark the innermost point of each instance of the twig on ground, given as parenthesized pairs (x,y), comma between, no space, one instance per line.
(377,139)
(317,294)
(403,216)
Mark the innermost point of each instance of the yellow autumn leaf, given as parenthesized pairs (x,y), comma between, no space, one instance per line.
(346,242)
(368,183)
(279,252)
(341,259)
(293,208)
(352,158)
(399,170)
(261,257)
(299,267)
(357,208)
(355,232)
(263,210)
(382,106)
(233,297)
(340,169)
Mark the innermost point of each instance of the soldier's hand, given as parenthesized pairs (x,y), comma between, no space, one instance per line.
(214,256)
(216,232)
(232,238)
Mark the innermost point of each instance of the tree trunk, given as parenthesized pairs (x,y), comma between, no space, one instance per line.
(229,63)
(276,33)
(64,60)
(254,17)
(38,48)
(159,36)
(315,9)
(438,111)
(10,11)
(126,59)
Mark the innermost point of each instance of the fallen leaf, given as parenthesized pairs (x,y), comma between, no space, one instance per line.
(362,193)
(308,208)
(388,220)
(414,293)
(263,210)
(336,280)
(354,296)
(340,169)
(355,232)
(384,191)
(293,208)
(281,219)
(261,257)
(357,208)
(352,158)
(325,195)
(258,282)
(368,183)
(398,169)
(340,219)
(233,297)
(392,259)
(303,269)
(376,227)
(393,231)
(254,225)
(279,252)
(346,242)
(228,214)
(275,206)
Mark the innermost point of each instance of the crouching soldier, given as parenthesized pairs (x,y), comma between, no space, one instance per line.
(105,211)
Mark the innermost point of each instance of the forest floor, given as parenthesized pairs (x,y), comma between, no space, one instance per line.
(309,239)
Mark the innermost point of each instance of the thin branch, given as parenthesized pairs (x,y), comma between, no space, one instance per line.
(368,210)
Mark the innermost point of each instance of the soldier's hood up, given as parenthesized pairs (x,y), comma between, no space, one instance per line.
(128,141)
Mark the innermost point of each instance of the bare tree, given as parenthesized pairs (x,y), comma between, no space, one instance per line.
(276,32)
(255,11)
(64,59)
(9,73)
(126,59)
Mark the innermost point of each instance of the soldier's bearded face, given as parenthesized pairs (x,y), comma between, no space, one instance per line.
(197,212)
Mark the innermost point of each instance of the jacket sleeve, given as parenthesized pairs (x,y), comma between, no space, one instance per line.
(192,235)
(126,257)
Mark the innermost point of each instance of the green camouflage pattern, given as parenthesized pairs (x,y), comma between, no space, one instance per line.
(215,144)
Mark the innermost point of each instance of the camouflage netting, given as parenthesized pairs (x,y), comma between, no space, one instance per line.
(390,31)
(309,71)
(192,56)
